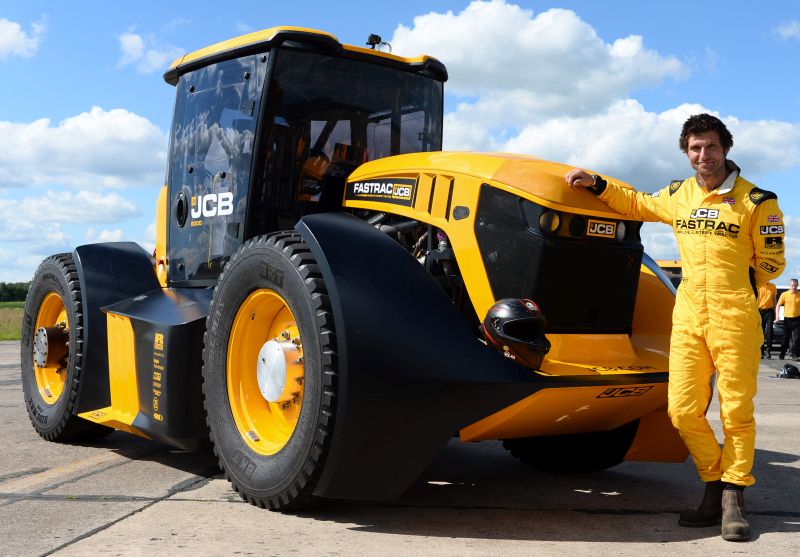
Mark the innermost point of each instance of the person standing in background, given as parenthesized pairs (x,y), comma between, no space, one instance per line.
(790,300)
(766,307)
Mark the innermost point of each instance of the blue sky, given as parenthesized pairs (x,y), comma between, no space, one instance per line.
(85,113)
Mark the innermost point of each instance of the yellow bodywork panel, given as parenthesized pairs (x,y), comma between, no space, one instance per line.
(445,181)
(567,410)
(122,378)
(657,440)
(268,35)
(161,237)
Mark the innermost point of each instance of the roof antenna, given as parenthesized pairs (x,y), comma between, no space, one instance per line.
(376,43)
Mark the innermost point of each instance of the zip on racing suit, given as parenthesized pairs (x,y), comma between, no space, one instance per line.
(730,241)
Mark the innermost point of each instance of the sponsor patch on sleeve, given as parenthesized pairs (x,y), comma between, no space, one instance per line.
(773,242)
(771,229)
(399,191)
(767,267)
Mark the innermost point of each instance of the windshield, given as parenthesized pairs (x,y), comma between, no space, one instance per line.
(327,115)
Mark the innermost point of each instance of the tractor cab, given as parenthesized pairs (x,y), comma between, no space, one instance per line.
(267,130)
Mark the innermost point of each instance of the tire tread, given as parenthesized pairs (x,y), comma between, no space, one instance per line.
(299,494)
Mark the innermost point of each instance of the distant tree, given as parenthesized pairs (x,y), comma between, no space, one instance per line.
(13,291)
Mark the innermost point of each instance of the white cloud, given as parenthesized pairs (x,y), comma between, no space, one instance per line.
(641,147)
(792,243)
(15,41)
(150,232)
(530,67)
(19,266)
(659,241)
(95,149)
(92,236)
(145,54)
(36,222)
(788,30)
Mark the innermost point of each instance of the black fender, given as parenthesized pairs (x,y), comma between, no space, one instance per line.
(411,373)
(108,273)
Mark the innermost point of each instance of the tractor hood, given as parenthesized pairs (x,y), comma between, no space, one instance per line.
(536,179)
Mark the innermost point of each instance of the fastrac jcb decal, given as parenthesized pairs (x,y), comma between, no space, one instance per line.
(399,191)
(601,229)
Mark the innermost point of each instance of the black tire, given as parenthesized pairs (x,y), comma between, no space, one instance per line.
(280,263)
(577,453)
(56,420)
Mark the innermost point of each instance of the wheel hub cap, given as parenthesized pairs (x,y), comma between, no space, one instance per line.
(50,346)
(271,370)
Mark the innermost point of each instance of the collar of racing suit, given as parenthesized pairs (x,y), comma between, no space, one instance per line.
(730,181)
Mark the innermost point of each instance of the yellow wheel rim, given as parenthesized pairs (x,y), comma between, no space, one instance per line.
(265,420)
(51,379)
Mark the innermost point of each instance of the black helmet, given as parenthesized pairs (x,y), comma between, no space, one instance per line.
(788,371)
(516,328)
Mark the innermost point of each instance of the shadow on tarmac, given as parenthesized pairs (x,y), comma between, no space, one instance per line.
(201,463)
(479,491)
(486,494)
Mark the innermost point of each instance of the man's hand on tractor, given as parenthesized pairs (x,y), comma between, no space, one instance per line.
(578,177)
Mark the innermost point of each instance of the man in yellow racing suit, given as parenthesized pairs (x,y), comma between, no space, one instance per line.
(730,238)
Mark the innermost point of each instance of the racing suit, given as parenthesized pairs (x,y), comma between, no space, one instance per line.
(730,241)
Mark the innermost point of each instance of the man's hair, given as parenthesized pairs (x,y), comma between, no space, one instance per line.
(792,280)
(701,123)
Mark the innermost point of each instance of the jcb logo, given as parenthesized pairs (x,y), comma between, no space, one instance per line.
(617,392)
(601,229)
(772,229)
(704,214)
(212,204)
(402,192)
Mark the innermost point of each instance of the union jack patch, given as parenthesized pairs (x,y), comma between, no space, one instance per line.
(773,218)
(729,200)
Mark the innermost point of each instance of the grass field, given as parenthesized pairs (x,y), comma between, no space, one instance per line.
(10,320)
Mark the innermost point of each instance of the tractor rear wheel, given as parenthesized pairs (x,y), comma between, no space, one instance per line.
(579,452)
(269,372)
(52,352)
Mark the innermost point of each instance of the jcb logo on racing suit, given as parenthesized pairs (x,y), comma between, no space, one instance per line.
(772,229)
(212,205)
(704,214)
(601,229)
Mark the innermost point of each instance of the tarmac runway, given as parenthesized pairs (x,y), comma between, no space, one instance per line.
(129,496)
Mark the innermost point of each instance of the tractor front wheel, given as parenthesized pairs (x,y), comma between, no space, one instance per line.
(269,372)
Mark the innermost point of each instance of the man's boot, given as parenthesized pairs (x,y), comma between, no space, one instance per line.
(735,527)
(710,510)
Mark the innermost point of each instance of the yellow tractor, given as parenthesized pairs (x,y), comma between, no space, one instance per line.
(332,298)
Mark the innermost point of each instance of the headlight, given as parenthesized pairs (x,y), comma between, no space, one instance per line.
(549,221)
(620,231)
